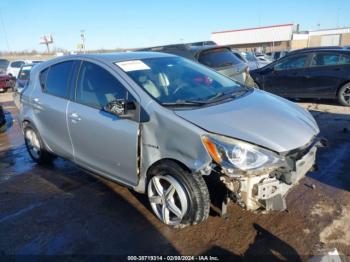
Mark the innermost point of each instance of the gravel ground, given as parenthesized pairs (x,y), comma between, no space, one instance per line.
(61,210)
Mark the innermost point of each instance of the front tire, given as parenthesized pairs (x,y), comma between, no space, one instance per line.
(177,197)
(35,146)
(344,95)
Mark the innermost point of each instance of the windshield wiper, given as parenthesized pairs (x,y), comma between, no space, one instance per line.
(185,103)
(225,95)
(216,98)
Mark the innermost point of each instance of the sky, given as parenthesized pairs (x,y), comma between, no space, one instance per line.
(112,24)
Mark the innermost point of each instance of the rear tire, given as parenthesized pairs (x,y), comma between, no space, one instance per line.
(35,146)
(177,197)
(344,95)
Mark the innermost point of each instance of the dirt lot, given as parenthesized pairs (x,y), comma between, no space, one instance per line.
(59,209)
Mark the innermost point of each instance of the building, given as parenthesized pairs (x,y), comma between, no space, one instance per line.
(280,37)
(329,37)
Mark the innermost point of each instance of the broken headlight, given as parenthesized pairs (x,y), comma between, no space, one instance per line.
(233,153)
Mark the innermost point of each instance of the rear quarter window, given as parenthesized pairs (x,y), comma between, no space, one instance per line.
(55,80)
(325,59)
(344,59)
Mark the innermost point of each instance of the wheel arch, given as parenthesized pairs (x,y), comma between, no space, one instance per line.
(161,161)
(144,176)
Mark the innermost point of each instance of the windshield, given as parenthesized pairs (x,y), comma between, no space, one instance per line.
(219,58)
(175,80)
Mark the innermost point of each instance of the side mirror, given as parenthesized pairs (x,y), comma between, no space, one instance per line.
(119,107)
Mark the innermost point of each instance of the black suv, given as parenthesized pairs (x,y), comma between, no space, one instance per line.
(219,58)
(309,73)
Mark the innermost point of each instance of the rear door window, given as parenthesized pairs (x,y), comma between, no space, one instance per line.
(57,79)
(325,59)
(295,62)
(219,58)
(344,59)
(97,87)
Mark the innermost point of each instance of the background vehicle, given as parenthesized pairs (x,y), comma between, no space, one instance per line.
(219,58)
(6,82)
(14,66)
(21,82)
(158,123)
(314,73)
(253,61)
(3,66)
(23,77)
(277,55)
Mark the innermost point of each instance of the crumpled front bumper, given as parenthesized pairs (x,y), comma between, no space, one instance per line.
(271,192)
(268,189)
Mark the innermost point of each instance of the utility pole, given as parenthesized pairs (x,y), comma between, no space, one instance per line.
(82,36)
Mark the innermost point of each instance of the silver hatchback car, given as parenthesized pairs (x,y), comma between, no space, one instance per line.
(160,124)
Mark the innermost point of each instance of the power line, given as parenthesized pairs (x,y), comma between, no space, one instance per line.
(5,33)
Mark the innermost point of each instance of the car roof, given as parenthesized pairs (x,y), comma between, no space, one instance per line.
(185,50)
(321,49)
(107,58)
(118,56)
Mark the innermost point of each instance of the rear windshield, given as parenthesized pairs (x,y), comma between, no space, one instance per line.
(17,64)
(219,58)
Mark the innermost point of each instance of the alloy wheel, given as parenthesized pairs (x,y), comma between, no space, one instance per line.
(346,95)
(168,199)
(33,143)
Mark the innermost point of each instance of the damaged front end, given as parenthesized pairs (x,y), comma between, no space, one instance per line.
(255,177)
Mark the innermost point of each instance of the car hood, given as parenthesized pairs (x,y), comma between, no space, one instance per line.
(259,118)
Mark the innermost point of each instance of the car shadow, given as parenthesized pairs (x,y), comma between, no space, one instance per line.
(59,210)
(62,210)
(265,247)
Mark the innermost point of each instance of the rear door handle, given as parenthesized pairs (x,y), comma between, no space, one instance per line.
(75,117)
